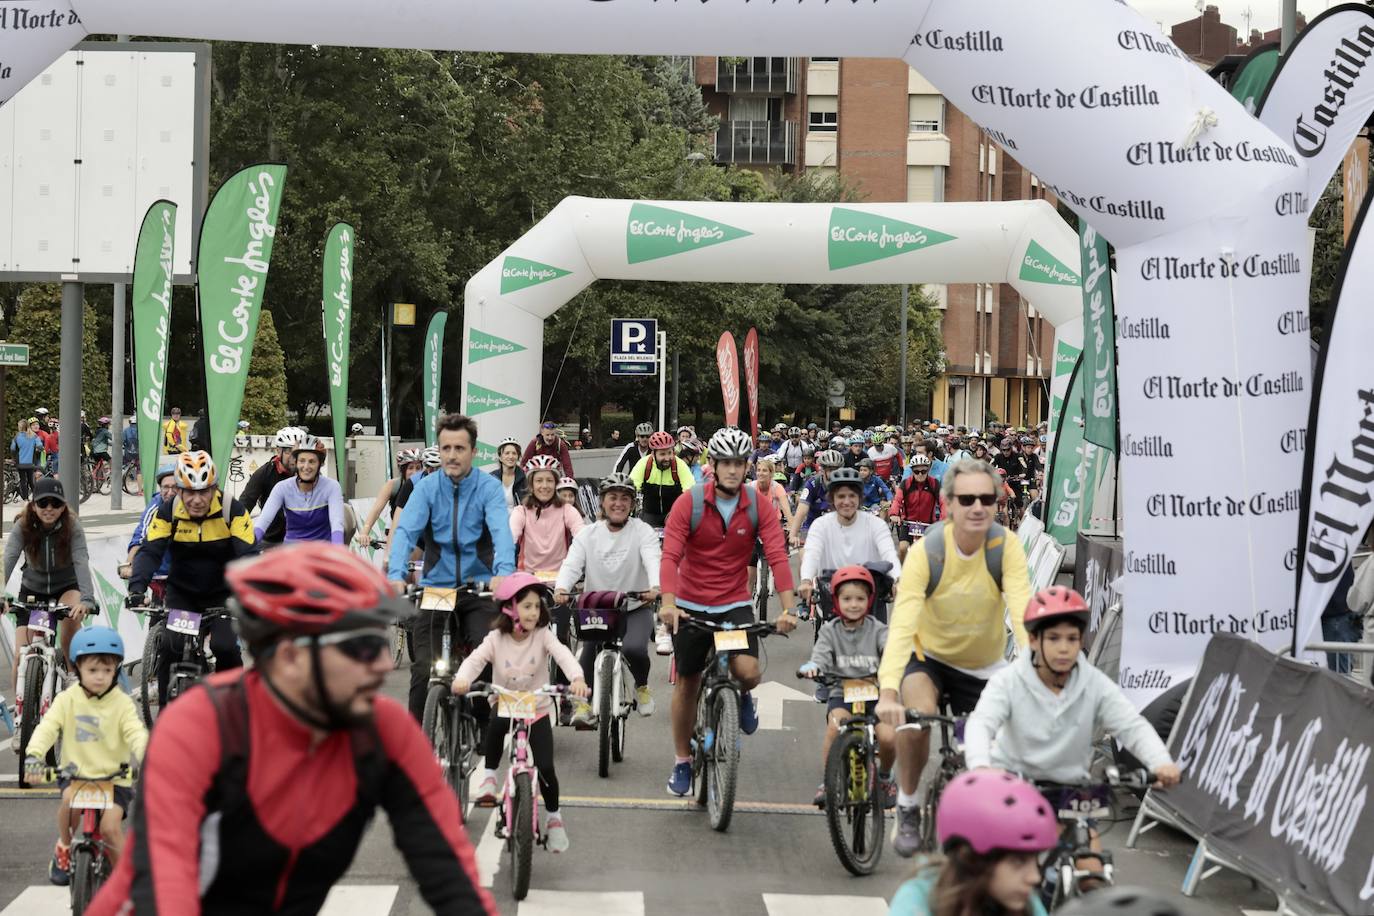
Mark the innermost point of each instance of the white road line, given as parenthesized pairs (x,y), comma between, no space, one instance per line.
(40,900)
(359,900)
(582,903)
(9,777)
(1260,912)
(489,850)
(807,905)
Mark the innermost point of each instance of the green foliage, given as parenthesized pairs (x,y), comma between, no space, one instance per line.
(1328,218)
(36,321)
(264,395)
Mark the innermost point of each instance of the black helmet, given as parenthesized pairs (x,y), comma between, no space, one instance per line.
(845,477)
(1124,901)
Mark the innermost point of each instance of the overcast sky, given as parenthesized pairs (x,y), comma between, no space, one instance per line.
(1267,13)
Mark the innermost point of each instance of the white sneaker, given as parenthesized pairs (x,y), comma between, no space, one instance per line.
(663,641)
(14,741)
(644,700)
(486,793)
(555,835)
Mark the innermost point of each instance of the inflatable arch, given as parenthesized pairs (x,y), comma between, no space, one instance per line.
(582,240)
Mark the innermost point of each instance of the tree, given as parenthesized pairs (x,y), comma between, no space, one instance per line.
(264,395)
(36,321)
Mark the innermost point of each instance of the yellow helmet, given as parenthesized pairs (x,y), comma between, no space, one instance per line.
(195,471)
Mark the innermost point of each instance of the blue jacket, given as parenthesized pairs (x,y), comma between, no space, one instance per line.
(483,528)
(141,532)
(24,445)
(129,440)
(876,491)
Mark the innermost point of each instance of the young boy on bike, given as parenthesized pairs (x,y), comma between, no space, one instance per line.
(101,730)
(851,646)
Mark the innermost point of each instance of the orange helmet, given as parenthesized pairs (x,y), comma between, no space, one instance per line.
(195,471)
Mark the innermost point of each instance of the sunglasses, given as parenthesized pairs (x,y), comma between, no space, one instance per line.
(919,473)
(968,499)
(49,504)
(364,648)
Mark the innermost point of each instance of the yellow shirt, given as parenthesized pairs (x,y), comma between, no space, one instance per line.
(962,624)
(98,734)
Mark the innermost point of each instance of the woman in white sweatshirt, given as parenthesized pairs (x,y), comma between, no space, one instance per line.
(847,537)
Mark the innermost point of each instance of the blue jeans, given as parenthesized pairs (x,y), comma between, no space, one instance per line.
(1345,627)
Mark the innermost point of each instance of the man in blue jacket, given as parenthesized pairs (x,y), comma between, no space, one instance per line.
(466,528)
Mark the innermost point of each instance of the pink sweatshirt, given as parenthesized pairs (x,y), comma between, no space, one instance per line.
(521,665)
(545,537)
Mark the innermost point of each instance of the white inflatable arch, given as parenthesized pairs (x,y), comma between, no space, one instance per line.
(582,240)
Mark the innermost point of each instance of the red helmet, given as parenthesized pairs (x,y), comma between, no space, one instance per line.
(1056,604)
(854,574)
(310,588)
(661,439)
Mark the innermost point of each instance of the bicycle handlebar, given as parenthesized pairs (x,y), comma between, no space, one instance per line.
(486,689)
(52,774)
(1132,779)
(753,629)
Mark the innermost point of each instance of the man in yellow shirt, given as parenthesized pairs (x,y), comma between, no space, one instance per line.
(174,440)
(943,643)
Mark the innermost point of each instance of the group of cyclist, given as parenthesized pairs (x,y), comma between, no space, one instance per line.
(315,619)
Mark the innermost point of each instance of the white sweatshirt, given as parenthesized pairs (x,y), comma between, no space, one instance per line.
(616,561)
(831,545)
(1044,735)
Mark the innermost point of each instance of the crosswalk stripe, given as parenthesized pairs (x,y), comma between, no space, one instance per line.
(808,904)
(359,900)
(40,900)
(582,903)
(488,852)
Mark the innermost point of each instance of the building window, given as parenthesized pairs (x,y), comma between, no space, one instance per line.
(823,113)
(926,114)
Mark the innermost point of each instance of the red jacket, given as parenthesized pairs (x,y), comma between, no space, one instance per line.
(916,502)
(709,567)
(558,450)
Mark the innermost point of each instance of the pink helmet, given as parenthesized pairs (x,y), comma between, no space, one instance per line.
(990,809)
(512,586)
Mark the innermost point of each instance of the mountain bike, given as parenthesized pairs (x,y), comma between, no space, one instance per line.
(519,824)
(100,474)
(39,680)
(601,619)
(196,660)
(951,764)
(716,737)
(853,793)
(1079,806)
(155,614)
(129,478)
(90,859)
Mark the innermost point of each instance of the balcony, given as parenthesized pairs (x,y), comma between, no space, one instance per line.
(757,143)
(759,75)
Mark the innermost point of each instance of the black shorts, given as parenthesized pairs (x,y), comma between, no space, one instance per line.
(693,648)
(21,614)
(956,689)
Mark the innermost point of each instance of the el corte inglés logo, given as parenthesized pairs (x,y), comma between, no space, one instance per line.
(485,453)
(522,273)
(857,237)
(481,400)
(657,232)
(482,345)
(1039,266)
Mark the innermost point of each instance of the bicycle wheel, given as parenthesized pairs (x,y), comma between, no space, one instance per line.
(454,770)
(853,803)
(521,835)
(605,711)
(933,793)
(622,714)
(1065,888)
(87,485)
(147,672)
(129,479)
(434,723)
(469,740)
(723,761)
(11,485)
(398,646)
(29,718)
(761,598)
(83,879)
(102,478)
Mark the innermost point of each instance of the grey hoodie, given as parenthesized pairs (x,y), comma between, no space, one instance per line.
(1043,735)
(843,652)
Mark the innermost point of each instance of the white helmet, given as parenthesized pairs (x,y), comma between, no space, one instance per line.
(407,456)
(829,459)
(286,437)
(430,458)
(308,443)
(730,443)
(566,483)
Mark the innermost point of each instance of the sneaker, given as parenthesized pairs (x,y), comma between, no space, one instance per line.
(14,741)
(748,714)
(888,787)
(582,718)
(819,800)
(663,641)
(486,793)
(59,869)
(644,699)
(680,781)
(555,836)
(906,835)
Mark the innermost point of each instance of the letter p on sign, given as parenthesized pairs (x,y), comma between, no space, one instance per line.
(634,346)
(633,337)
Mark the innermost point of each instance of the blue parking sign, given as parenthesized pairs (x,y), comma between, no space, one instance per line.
(634,346)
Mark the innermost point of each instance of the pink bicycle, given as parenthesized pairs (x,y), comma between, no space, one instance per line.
(519,825)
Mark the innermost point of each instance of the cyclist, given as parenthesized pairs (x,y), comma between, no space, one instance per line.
(636,451)
(202,534)
(851,646)
(549,441)
(917,500)
(285,765)
(690,453)
(790,453)
(466,526)
(129,446)
(100,444)
(947,630)
(517,652)
(166,492)
(174,438)
(877,494)
(509,472)
(992,828)
(887,458)
(265,479)
(619,553)
(661,477)
(543,526)
(100,730)
(312,503)
(704,558)
(847,537)
(57,566)
(567,492)
(854,451)
(768,489)
(813,501)
(407,466)
(26,447)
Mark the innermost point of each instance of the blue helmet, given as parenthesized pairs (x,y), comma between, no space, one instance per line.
(855,439)
(96,641)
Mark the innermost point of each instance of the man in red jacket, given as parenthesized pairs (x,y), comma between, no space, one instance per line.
(549,442)
(707,544)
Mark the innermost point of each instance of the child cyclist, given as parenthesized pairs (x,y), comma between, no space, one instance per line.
(851,646)
(518,651)
(992,828)
(100,730)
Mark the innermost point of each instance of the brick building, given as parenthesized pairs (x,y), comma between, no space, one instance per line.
(1205,38)
(888,131)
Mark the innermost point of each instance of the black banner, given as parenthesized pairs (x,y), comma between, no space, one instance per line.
(1275,760)
(1098,562)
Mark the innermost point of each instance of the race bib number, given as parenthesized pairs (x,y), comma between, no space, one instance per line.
(731,640)
(1091,802)
(40,620)
(522,705)
(916,529)
(187,622)
(859,691)
(97,795)
(547,576)
(438,599)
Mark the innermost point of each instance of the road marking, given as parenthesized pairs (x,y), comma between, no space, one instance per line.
(30,793)
(808,904)
(489,850)
(770,696)
(669,803)
(359,899)
(1260,912)
(40,900)
(9,777)
(582,903)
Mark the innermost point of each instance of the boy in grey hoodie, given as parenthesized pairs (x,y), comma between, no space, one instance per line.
(850,647)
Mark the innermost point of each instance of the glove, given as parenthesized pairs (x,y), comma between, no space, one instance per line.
(135,599)
(33,768)
(810,669)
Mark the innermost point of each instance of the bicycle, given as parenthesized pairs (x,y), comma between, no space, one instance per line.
(129,478)
(1077,806)
(613,698)
(854,809)
(12,480)
(100,474)
(87,479)
(951,765)
(38,673)
(156,614)
(90,860)
(196,661)
(400,641)
(519,804)
(716,736)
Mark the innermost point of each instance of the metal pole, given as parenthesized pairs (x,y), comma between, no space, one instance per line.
(2,429)
(116,404)
(386,384)
(676,374)
(69,394)
(662,378)
(1290,25)
(901,382)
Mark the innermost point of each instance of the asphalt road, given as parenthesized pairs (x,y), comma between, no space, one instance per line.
(636,850)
